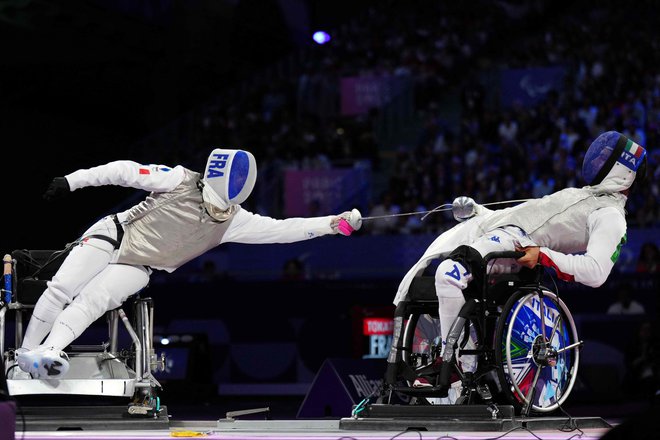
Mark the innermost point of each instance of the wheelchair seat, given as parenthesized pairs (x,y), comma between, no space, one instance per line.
(105,369)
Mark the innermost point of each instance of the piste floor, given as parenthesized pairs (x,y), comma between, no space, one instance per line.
(274,419)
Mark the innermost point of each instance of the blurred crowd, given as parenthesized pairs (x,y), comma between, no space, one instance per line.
(495,152)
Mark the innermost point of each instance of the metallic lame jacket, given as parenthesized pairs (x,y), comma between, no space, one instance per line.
(169,229)
(557,221)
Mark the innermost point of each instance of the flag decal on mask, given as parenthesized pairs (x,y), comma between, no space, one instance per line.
(632,155)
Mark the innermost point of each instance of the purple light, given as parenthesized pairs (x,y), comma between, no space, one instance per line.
(321,37)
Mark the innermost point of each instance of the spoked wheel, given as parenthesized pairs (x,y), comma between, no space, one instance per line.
(421,339)
(539,353)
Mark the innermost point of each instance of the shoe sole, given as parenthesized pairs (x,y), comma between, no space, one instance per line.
(53,370)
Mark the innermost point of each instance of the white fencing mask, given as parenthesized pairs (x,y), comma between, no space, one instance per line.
(229,178)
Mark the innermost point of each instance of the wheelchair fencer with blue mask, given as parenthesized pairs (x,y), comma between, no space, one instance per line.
(483,328)
(185,214)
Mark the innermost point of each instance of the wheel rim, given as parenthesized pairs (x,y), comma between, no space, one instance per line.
(527,370)
(421,334)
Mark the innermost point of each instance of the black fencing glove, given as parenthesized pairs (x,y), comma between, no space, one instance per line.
(57,188)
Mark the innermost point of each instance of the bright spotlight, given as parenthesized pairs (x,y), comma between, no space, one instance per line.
(321,37)
(164,341)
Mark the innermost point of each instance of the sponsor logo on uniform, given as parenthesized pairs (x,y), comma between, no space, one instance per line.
(455,273)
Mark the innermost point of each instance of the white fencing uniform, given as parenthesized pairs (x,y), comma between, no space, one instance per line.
(169,228)
(594,218)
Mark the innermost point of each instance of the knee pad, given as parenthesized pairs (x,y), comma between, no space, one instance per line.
(453,273)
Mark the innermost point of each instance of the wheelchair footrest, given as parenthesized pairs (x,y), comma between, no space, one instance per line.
(89,348)
(437,391)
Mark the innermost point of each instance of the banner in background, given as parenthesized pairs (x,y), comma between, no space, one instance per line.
(359,94)
(529,86)
(309,193)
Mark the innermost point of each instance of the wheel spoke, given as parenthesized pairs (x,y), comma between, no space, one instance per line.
(542,314)
(569,347)
(554,327)
(528,397)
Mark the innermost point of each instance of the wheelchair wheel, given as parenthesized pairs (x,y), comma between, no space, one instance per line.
(539,351)
(421,339)
(422,345)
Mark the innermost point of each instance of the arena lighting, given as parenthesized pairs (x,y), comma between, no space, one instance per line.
(321,37)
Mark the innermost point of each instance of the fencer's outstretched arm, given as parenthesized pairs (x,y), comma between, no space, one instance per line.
(156,178)
(607,233)
(247,227)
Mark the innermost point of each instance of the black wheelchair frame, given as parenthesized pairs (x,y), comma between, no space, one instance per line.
(523,335)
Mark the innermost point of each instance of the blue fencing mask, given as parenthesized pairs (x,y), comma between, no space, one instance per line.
(612,152)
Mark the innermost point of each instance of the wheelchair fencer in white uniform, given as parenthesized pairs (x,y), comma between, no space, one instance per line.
(577,232)
(185,215)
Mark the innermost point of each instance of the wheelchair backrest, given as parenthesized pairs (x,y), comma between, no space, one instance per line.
(34,268)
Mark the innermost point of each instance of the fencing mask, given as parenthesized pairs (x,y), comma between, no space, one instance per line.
(612,152)
(228,180)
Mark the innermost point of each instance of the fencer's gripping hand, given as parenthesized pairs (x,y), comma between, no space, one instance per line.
(57,188)
(531,257)
(347,222)
(463,208)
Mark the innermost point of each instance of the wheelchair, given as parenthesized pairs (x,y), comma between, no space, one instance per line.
(105,370)
(514,343)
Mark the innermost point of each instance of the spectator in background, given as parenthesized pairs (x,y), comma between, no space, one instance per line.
(625,304)
(384,208)
(640,377)
(293,270)
(507,129)
(208,273)
(544,185)
(649,258)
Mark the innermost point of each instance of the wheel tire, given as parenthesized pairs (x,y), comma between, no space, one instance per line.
(518,336)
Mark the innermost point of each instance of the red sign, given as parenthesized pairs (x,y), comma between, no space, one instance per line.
(377,326)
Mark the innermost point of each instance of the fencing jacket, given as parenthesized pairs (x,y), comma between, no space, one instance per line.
(170,227)
(579,231)
(559,220)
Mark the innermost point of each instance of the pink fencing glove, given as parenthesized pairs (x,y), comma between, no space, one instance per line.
(349,222)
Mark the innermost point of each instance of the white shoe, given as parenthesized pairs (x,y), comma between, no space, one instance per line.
(15,373)
(28,361)
(43,362)
(54,364)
